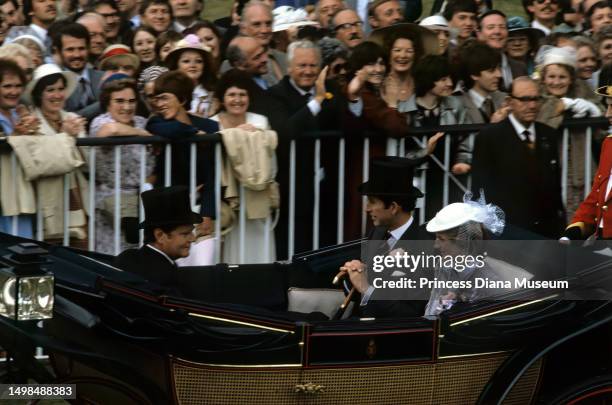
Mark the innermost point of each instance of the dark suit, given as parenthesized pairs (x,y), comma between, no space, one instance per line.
(152,266)
(524,183)
(73,104)
(294,118)
(391,308)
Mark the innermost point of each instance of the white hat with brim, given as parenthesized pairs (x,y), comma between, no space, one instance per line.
(435,22)
(452,216)
(32,38)
(286,17)
(45,70)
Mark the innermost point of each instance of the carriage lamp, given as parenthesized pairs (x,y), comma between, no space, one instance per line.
(26,287)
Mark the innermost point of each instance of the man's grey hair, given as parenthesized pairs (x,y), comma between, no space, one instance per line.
(332,24)
(332,49)
(302,44)
(90,15)
(254,3)
(581,41)
(520,79)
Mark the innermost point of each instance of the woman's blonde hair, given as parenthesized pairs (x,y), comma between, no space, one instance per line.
(9,51)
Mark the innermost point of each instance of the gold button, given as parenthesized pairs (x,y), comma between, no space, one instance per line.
(605,207)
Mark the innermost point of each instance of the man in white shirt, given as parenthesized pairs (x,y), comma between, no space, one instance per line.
(71,48)
(391,202)
(186,13)
(39,15)
(256,22)
(543,14)
(493,31)
(516,163)
(168,227)
(483,102)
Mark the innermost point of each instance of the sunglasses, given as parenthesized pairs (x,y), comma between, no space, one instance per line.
(544,1)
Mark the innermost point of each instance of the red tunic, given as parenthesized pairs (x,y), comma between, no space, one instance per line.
(589,213)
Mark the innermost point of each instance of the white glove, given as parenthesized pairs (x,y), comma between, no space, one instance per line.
(581,107)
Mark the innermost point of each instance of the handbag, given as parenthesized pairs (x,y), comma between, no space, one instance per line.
(128,209)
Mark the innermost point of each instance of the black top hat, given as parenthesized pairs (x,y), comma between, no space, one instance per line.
(168,206)
(391,176)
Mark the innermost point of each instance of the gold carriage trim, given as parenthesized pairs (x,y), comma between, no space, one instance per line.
(460,356)
(197,364)
(503,310)
(254,325)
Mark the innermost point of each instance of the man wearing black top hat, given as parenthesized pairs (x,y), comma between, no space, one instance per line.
(168,234)
(391,201)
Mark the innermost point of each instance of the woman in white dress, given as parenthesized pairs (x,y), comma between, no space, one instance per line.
(234,93)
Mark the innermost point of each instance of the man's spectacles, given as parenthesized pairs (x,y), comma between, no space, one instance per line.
(346,26)
(527,99)
(544,1)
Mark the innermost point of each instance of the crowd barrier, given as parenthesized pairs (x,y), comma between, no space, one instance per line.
(395,147)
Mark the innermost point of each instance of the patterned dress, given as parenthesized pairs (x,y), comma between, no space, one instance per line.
(105,181)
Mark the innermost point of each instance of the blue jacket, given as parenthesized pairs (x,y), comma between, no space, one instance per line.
(205,164)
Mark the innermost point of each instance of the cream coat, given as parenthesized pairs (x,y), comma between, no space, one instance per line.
(250,161)
(39,175)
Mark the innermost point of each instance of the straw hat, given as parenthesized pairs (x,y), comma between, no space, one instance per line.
(190,43)
(45,70)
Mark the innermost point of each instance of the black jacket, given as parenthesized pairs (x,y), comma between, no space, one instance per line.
(378,308)
(525,184)
(152,266)
(293,119)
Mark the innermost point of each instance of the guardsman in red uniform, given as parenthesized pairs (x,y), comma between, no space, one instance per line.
(594,216)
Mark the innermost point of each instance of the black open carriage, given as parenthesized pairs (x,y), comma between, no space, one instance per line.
(121,343)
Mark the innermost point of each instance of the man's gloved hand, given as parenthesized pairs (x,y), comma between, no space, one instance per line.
(580,107)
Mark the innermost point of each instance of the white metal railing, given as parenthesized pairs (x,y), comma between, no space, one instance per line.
(394,147)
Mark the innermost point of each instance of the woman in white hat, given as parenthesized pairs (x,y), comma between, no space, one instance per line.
(566,97)
(47,92)
(460,229)
(195,60)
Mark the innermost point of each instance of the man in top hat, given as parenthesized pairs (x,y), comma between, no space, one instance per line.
(593,217)
(391,201)
(168,234)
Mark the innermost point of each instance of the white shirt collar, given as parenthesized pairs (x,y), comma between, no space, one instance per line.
(398,232)
(541,27)
(161,253)
(84,74)
(39,31)
(476,97)
(302,91)
(520,128)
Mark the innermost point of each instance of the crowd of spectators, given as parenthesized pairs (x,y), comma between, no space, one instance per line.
(105,69)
